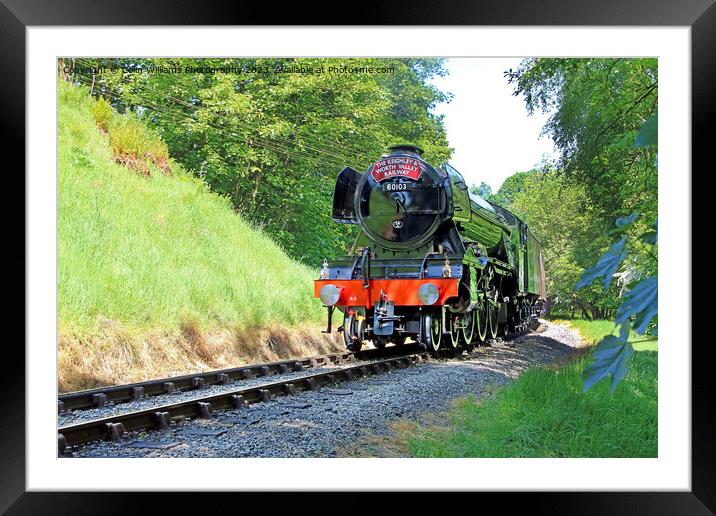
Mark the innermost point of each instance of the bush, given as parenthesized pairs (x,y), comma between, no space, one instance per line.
(133,143)
(129,137)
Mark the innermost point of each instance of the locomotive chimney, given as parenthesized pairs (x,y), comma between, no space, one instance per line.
(406,148)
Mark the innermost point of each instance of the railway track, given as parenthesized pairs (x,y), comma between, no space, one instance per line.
(161,417)
(101,396)
(114,427)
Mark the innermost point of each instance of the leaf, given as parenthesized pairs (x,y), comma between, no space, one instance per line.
(649,237)
(625,221)
(606,266)
(649,132)
(612,356)
(622,364)
(642,302)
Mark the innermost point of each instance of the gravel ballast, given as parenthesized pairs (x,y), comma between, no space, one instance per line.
(319,423)
(71,417)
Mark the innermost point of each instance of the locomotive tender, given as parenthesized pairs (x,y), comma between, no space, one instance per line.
(432,261)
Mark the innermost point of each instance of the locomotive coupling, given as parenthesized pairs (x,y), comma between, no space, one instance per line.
(447,270)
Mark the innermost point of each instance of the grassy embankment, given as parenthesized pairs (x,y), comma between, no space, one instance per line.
(545,414)
(156,274)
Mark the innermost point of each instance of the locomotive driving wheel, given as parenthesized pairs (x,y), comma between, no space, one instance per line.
(492,319)
(468,331)
(481,318)
(454,330)
(431,330)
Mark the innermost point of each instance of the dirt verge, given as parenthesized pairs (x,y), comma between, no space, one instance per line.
(115,355)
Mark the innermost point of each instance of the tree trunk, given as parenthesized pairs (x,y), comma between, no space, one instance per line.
(256,189)
(584,310)
(61,63)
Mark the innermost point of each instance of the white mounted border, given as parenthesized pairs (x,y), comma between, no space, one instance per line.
(671,471)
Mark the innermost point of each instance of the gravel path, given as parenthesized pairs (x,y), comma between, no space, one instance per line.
(318,423)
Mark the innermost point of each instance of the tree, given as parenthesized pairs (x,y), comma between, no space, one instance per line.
(272,134)
(597,107)
(510,187)
(483,190)
(639,309)
(561,214)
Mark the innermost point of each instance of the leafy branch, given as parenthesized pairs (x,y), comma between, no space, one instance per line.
(613,354)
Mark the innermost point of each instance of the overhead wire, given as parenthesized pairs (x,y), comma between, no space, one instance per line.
(311,145)
(227,132)
(329,113)
(259,141)
(174,115)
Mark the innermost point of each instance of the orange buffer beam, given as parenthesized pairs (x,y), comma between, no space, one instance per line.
(403,292)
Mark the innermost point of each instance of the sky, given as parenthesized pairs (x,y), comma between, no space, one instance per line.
(488,127)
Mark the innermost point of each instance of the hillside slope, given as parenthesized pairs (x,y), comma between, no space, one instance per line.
(158,275)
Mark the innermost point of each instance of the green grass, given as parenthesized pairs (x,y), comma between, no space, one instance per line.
(153,252)
(128,136)
(545,414)
(103,113)
(593,331)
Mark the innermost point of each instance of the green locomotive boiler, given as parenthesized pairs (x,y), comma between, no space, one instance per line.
(432,261)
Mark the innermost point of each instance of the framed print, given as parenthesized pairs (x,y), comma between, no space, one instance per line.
(415,254)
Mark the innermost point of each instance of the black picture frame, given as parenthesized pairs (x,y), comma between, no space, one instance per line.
(17,15)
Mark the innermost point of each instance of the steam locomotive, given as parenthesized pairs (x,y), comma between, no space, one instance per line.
(432,262)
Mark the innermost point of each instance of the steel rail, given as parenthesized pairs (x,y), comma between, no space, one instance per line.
(161,417)
(98,397)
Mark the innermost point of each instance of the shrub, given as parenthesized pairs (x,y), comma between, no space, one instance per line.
(129,136)
(133,144)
